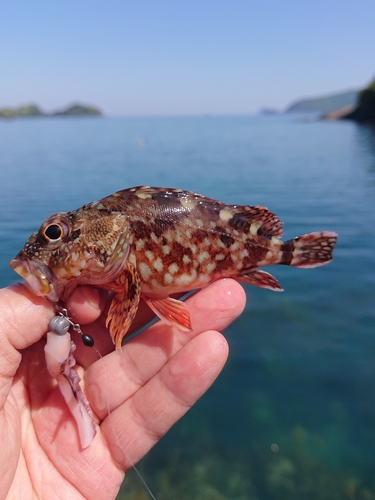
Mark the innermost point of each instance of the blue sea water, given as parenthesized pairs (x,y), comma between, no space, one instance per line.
(293,413)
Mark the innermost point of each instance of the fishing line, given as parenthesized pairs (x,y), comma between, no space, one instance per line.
(109,414)
(60,325)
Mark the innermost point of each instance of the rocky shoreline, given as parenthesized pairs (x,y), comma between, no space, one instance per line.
(362,112)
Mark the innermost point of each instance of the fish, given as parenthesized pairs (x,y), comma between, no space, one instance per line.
(151,243)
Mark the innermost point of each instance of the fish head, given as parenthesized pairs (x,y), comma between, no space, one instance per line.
(87,246)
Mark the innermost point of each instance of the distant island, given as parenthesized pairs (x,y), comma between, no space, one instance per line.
(33,110)
(324,104)
(357,105)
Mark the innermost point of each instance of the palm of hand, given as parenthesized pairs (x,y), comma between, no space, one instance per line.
(136,395)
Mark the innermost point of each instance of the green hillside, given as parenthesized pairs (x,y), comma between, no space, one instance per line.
(326,103)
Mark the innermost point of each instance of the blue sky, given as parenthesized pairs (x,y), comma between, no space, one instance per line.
(164,57)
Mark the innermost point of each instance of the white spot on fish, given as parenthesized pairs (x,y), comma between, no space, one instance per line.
(149,255)
(155,283)
(166,249)
(132,259)
(210,266)
(179,237)
(168,278)
(186,259)
(61,273)
(139,245)
(169,235)
(244,253)
(144,270)
(142,195)
(188,203)
(173,268)
(226,214)
(254,227)
(186,279)
(203,256)
(188,222)
(269,255)
(158,264)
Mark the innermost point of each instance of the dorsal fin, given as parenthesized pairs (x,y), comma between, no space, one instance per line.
(258,220)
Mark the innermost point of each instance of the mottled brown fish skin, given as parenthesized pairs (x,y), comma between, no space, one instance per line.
(158,241)
(181,240)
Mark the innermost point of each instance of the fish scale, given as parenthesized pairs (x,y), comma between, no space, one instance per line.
(153,242)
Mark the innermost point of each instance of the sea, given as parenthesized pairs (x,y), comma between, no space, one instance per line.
(292,415)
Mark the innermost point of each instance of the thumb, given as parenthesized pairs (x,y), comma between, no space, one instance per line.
(24,320)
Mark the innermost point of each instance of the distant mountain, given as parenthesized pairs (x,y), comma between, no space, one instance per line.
(34,111)
(325,104)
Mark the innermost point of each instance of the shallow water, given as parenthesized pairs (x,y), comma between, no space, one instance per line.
(292,414)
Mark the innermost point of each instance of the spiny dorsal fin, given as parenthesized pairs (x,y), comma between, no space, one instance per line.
(258,220)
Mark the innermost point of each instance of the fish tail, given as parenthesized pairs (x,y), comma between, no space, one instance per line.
(309,250)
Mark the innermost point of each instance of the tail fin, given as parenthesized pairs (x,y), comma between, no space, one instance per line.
(309,250)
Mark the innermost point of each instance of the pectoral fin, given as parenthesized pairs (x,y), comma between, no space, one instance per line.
(124,305)
(171,311)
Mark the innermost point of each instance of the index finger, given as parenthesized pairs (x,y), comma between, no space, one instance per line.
(116,377)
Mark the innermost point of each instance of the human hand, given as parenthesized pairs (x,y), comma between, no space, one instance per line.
(136,395)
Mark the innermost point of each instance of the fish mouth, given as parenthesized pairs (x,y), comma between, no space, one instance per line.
(37,276)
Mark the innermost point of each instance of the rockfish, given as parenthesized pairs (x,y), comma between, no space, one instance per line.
(147,242)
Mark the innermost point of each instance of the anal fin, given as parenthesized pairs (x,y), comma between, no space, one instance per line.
(124,305)
(261,279)
(172,311)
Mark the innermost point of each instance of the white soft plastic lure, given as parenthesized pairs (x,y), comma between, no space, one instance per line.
(60,362)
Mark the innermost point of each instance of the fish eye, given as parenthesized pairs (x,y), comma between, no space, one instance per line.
(53,232)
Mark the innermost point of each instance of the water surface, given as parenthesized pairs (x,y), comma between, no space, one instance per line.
(292,414)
